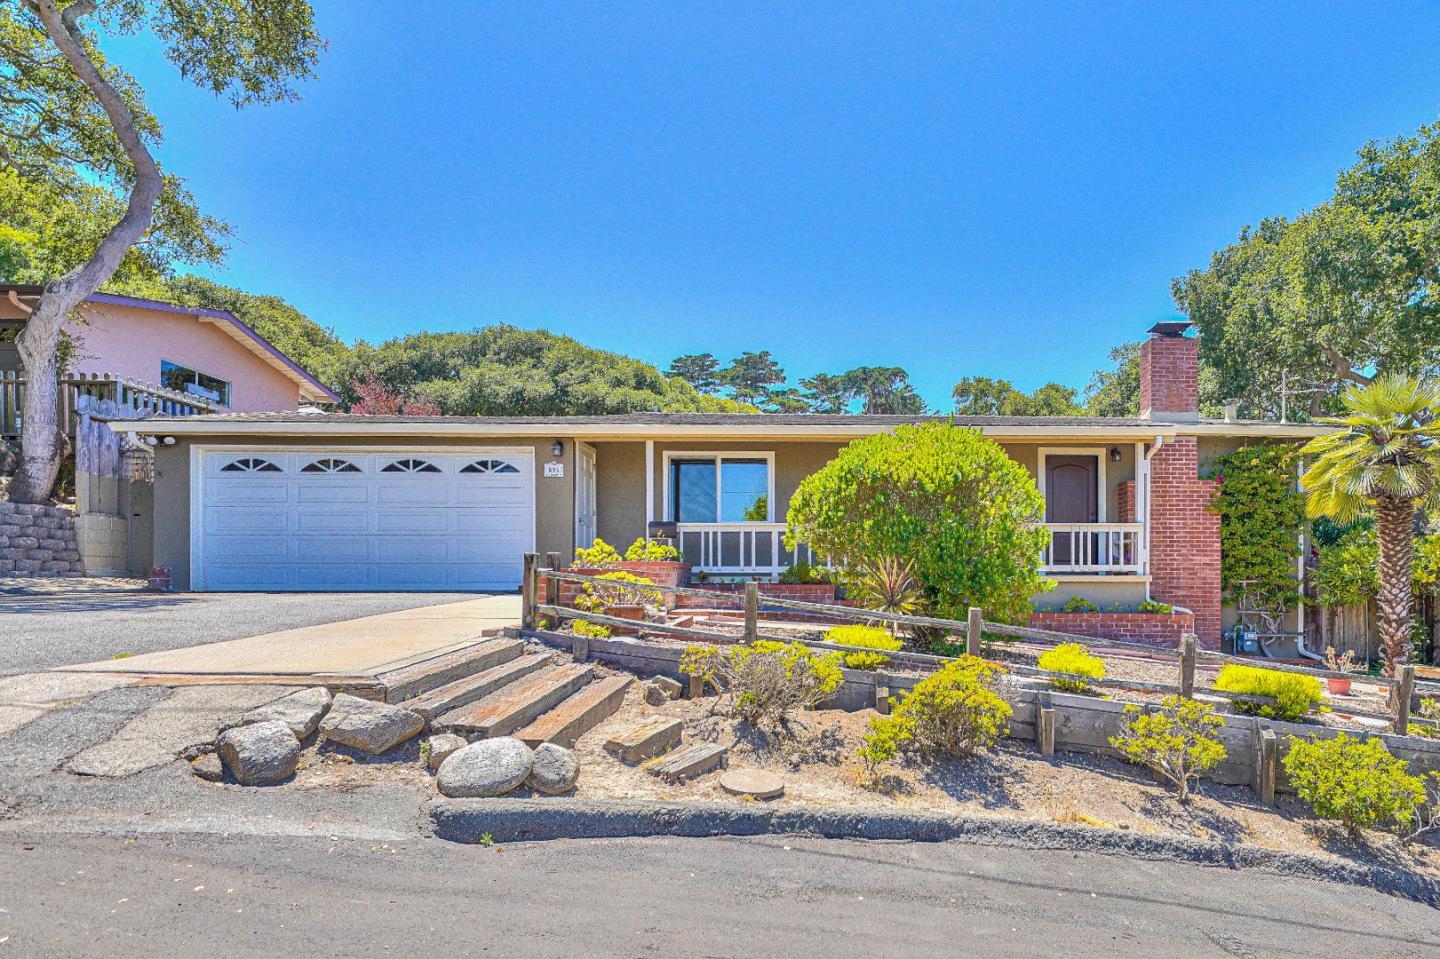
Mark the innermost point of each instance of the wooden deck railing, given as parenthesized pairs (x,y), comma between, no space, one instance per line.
(147,397)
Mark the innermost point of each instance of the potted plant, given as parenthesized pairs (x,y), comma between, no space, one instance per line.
(1342,663)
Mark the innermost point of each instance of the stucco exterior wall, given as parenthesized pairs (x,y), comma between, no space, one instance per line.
(131,341)
(554,496)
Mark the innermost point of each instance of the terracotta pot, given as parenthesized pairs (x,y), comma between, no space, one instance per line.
(1340,687)
(625,611)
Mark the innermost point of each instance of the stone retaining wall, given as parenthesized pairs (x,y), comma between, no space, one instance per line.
(38,541)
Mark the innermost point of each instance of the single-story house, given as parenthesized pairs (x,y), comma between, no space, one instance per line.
(209,356)
(294,501)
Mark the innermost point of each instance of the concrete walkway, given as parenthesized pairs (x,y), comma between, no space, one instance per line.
(357,647)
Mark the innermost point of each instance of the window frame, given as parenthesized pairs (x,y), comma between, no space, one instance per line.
(226,398)
(669,504)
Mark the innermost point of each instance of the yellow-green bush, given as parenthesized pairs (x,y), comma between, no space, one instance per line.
(581,627)
(1294,694)
(956,712)
(1075,659)
(1178,742)
(599,555)
(864,637)
(765,682)
(618,589)
(1355,781)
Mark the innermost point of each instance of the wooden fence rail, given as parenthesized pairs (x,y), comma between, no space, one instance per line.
(1187,654)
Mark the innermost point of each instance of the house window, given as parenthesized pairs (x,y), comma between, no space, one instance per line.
(183,379)
(719,489)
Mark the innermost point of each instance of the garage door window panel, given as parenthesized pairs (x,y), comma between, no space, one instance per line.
(251,464)
(410,466)
(330,466)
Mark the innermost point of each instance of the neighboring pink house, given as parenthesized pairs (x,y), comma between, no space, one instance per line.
(207,354)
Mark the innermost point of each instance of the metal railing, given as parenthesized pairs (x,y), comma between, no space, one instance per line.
(739,549)
(1094,548)
(146,397)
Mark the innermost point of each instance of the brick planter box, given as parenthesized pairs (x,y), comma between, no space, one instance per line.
(659,573)
(1162,630)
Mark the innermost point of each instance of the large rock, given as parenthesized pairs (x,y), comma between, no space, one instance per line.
(491,767)
(372,728)
(300,711)
(554,771)
(260,754)
(661,690)
(441,746)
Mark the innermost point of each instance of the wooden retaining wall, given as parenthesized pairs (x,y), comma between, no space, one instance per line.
(1082,724)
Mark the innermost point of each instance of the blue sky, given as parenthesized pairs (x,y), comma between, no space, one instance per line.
(999,189)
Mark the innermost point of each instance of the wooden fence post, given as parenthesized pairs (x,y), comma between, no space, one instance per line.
(1267,765)
(882,700)
(1044,724)
(552,585)
(1401,694)
(1187,666)
(752,611)
(528,599)
(974,628)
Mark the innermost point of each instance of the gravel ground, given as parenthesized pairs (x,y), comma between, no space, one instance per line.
(42,632)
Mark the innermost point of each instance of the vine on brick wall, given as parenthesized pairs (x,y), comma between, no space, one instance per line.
(1261,513)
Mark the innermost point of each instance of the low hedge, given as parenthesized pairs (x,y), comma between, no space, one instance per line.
(1294,695)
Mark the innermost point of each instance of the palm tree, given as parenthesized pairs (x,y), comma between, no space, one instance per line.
(1385,456)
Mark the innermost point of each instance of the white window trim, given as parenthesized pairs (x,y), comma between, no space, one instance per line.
(1101,454)
(198,452)
(717,456)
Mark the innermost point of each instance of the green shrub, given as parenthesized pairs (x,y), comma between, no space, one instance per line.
(1295,695)
(599,555)
(945,499)
(582,627)
(765,682)
(1072,658)
(805,573)
(1261,513)
(619,589)
(1154,606)
(1079,604)
(955,711)
(649,551)
(1355,781)
(865,637)
(1178,741)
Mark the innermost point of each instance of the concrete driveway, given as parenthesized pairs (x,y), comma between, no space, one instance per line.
(43,632)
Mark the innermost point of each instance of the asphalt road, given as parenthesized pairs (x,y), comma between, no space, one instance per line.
(47,631)
(772,896)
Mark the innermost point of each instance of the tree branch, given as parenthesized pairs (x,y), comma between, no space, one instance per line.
(1343,368)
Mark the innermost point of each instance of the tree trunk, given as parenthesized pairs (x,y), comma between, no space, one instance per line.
(1394,519)
(41,442)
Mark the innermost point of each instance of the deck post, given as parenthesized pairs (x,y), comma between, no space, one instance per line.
(1402,692)
(528,588)
(974,627)
(752,611)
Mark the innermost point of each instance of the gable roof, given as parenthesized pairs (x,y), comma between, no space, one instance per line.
(310,387)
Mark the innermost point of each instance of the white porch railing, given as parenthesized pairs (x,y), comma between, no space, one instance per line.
(739,549)
(1095,548)
(155,400)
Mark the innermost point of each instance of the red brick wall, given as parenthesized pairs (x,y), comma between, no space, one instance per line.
(662,574)
(1170,374)
(803,592)
(1125,495)
(1159,629)
(1185,537)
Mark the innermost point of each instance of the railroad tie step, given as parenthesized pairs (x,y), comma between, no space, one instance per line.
(687,762)
(646,738)
(407,681)
(462,692)
(579,714)
(516,705)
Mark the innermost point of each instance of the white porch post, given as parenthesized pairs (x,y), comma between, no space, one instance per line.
(1142,507)
(649,486)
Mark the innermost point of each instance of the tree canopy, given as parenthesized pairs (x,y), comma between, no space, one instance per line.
(984,396)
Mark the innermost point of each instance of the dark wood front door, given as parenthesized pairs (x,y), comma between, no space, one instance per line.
(1070,497)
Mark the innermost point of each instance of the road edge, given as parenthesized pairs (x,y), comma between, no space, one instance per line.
(537,819)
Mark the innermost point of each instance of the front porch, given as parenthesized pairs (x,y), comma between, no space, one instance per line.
(723,506)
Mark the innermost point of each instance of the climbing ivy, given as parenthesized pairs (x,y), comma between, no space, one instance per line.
(1261,513)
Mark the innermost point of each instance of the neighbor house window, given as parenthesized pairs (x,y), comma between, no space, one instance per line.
(185,380)
(719,489)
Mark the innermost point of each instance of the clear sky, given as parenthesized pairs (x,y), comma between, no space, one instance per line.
(1002,189)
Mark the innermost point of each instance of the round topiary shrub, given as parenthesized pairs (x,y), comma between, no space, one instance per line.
(967,517)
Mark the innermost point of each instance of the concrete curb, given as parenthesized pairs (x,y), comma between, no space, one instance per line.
(516,820)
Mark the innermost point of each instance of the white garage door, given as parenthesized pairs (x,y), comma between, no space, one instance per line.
(320,519)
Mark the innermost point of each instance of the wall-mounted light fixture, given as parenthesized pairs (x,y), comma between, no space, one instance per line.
(168,440)
(1114,454)
(557,448)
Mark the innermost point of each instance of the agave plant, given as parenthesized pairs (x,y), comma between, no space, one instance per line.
(1385,458)
(887,584)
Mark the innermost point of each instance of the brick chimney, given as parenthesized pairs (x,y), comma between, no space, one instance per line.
(1170,374)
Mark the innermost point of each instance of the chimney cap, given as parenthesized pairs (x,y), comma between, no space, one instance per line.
(1170,328)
